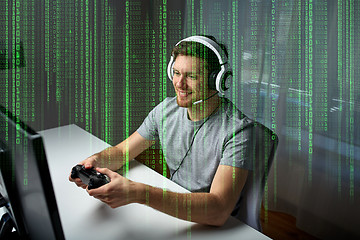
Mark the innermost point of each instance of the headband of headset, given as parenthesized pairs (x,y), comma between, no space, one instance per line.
(222,79)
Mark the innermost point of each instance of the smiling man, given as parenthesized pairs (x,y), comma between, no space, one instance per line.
(204,137)
(190,83)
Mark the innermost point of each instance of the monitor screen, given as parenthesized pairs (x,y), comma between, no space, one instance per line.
(27,195)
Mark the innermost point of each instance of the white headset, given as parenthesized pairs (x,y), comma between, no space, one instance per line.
(218,80)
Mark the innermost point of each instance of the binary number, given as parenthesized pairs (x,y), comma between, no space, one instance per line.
(102,65)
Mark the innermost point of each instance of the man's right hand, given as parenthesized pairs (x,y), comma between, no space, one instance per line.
(114,158)
(88,163)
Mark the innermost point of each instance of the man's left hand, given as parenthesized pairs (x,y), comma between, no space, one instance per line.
(118,192)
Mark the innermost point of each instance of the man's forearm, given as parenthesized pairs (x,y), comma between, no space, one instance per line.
(112,158)
(204,208)
(115,157)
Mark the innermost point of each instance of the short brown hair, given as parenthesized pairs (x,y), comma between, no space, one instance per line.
(199,50)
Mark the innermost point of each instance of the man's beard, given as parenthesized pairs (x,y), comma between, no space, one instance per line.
(184,104)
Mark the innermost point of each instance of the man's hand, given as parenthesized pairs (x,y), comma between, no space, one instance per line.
(115,157)
(88,163)
(118,192)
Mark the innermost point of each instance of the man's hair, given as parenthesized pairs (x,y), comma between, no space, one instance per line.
(195,49)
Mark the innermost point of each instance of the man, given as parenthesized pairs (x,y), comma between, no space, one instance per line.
(204,138)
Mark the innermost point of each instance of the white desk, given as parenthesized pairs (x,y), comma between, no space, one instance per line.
(84,217)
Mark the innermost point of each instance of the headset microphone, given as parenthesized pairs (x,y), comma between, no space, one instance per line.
(203,100)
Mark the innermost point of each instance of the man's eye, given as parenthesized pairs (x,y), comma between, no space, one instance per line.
(176,73)
(193,77)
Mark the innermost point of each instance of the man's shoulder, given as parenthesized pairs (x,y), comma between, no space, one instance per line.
(234,116)
(168,103)
(167,106)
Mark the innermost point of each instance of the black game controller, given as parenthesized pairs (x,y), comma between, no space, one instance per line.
(90,176)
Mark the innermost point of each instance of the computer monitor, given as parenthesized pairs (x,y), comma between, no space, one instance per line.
(26,188)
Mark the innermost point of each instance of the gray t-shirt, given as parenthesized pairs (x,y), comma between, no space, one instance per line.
(224,138)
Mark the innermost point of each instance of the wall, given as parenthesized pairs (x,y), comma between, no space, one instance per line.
(98,64)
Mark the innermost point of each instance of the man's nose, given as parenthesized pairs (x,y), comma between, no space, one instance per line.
(181,81)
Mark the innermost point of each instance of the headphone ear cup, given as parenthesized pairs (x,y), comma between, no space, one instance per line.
(212,80)
(170,72)
(226,81)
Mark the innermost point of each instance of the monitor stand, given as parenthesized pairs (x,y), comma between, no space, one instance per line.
(7,224)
